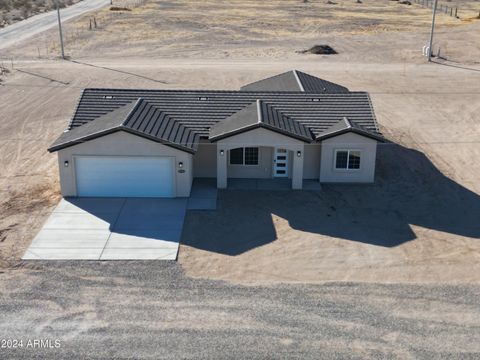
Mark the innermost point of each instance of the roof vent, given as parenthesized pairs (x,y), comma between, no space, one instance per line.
(203,98)
(108,97)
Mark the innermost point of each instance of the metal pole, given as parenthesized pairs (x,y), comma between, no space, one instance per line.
(431,32)
(60,31)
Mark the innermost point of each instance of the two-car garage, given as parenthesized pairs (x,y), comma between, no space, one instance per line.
(121,164)
(119,176)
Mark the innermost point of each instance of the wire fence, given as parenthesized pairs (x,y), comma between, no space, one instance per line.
(442,8)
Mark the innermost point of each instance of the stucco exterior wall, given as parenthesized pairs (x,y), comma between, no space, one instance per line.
(261,138)
(205,160)
(124,144)
(261,171)
(348,141)
(311,161)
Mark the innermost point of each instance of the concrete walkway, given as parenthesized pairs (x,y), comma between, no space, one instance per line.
(203,195)
(111,229)
(280,184)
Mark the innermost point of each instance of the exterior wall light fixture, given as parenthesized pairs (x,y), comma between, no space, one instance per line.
(180,164)
(66,163)
(222,152)
(299,153)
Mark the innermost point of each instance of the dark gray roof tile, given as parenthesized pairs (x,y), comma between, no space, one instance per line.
(345,125)
(295,80)
(180,117)
(259,114)
(135,117)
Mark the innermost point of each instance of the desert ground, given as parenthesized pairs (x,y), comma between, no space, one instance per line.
(417,223)
(151,310)
(365,271)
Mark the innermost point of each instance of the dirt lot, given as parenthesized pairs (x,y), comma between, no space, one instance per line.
(250,29)
(416,224)
(250,294)
(150,310)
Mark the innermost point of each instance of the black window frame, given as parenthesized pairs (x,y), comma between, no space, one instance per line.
(350,162)
(252,152)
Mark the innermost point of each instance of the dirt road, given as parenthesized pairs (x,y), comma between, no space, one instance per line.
(22,30)
(151,310)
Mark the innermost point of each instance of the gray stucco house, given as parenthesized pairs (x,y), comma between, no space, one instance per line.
(153,143)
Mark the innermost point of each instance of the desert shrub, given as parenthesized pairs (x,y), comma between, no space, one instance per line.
(5,5)
(119,8)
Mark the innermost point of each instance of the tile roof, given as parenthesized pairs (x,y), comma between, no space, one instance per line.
(295,80)
(259,114)
(138,117)
(180,117)
(343,126)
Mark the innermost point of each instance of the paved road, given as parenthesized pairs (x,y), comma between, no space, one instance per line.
(41,22)
(151,310)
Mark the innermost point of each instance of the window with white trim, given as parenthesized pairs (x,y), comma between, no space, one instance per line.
(244,156)
(347,159)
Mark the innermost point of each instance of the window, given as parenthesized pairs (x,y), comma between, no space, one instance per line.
(347,159)
(236,156)
(244,156)
(251,156)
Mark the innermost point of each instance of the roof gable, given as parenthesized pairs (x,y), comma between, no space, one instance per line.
(179,118)
(138,117)
(259,114)
(343,126)
(295,80)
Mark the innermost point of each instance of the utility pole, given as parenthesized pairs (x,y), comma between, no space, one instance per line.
(60,30)
(430,45)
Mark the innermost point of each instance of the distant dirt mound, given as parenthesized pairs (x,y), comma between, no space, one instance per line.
(320,50)
(119,8)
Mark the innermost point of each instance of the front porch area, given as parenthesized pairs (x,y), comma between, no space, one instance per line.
(259,184)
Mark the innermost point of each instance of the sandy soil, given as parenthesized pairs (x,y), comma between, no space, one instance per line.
(432,109)
(254,29)
(151,310)
(424,202)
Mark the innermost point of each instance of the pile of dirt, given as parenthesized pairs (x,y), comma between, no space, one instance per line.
(119,8)
(320,50)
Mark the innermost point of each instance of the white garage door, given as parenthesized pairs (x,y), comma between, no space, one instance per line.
(114,176)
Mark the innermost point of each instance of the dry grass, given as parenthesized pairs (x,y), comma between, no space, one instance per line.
(172,28)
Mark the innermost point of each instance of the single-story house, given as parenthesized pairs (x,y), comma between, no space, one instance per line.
(153,143)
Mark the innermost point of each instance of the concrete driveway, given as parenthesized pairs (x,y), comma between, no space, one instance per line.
(111,229)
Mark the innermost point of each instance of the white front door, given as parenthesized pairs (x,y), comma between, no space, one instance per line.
(280,162)
(118,176)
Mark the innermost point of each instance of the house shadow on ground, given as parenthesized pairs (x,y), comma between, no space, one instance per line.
(409,190)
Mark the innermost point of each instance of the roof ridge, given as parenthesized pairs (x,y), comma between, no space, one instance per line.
(240,92)
(259,110)
(347,122)
(273,107)
(139,101)
(300,84)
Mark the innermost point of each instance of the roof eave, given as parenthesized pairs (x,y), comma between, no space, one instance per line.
(379,138)
(114,130)
(257,126)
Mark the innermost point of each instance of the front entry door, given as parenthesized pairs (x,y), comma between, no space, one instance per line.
(280,163)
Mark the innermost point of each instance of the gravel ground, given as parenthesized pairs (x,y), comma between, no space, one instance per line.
(151,310)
